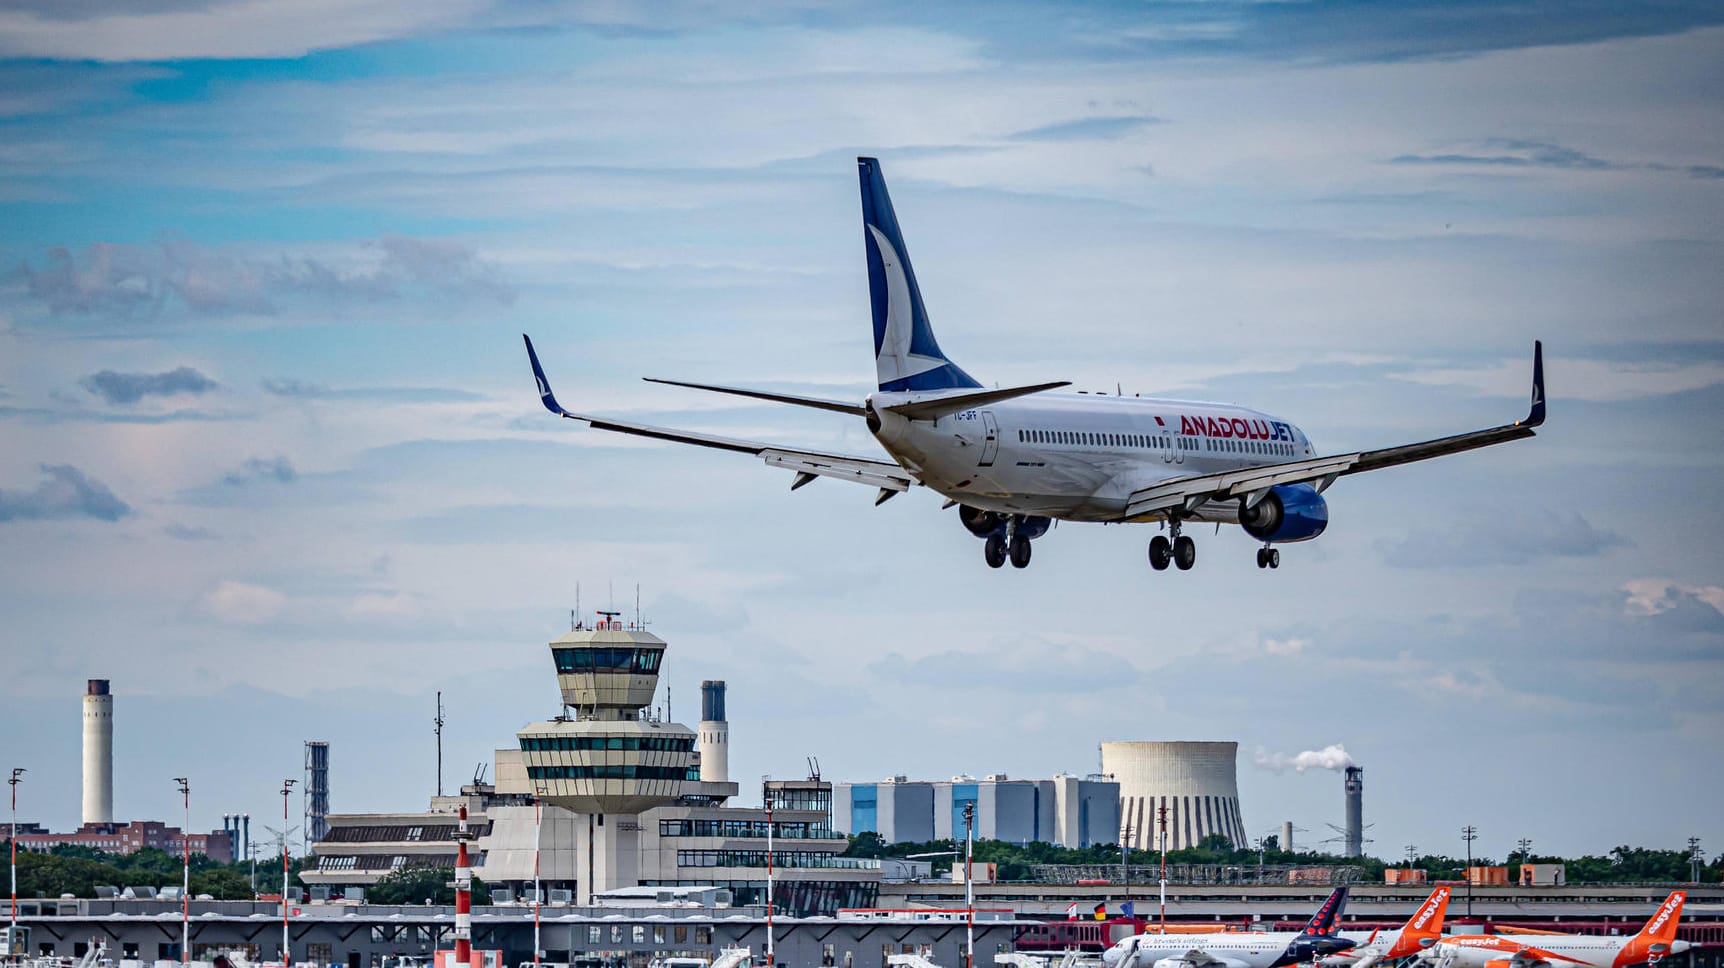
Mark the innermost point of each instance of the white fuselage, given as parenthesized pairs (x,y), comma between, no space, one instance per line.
(1475,951)
(1079,456)
(1248,949)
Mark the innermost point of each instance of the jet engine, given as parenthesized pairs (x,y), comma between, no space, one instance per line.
(984,524)
(1289,512)
(979,522)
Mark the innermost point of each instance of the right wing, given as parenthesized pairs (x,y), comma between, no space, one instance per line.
(1198,958)
(890,478)
(1252,483)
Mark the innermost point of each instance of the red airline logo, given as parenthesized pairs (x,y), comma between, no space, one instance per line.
(1234,427)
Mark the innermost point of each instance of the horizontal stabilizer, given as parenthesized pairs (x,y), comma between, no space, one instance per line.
(941,406)
(839,406)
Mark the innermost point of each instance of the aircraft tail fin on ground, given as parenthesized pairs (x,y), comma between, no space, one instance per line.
(906,355)
(1661,927)
(1426,925)
(1327,916)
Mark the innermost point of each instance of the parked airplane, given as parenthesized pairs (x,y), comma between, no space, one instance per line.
(1422,930)
(1544,950)
(1242,949)
(1013,460)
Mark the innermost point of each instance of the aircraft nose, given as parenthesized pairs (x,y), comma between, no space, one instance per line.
(1110,956)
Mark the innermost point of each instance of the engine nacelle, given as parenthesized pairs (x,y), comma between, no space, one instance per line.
(979,522)
(1289,512)
(985,524)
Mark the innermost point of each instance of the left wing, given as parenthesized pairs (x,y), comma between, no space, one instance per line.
(1253,483)
(890,478)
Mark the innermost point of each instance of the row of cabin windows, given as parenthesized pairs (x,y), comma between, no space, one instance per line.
(1265,448)
(1156,442)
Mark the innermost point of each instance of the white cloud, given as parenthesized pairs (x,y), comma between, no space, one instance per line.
(1651,596)
(243,28)
(239,603)
(1287,646)
(384,606)
(1602,381)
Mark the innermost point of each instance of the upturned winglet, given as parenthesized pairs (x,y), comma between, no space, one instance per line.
(546,397)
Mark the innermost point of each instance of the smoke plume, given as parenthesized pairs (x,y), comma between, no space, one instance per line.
(1331,757)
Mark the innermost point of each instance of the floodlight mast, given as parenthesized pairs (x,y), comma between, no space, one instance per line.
(186,882)
(286,941)
(17,773)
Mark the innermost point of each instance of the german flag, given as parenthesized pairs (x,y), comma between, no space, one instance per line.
(1101,911)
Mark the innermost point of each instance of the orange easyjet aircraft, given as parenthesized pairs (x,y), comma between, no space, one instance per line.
(1653,942)
(1421,932)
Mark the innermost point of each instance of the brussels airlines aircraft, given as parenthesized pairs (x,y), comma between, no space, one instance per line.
(1542,950)
(1013,460)
(1242,949)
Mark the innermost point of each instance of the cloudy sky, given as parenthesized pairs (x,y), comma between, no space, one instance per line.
(273,463)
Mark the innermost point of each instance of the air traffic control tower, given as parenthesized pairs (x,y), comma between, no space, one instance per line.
(605,757)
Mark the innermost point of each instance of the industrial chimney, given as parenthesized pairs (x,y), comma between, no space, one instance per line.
(316,791)
(98,753)
(1355,786)
(714,734)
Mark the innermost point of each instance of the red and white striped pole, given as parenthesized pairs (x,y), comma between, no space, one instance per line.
(463,898)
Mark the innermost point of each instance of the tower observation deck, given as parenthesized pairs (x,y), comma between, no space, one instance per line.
(605,756)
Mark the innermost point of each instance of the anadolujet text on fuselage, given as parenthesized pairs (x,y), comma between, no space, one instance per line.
(1014,460)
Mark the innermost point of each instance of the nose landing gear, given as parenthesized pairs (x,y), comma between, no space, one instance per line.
(1268,557)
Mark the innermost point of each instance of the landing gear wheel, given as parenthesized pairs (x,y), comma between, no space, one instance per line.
(1184,552)
(1160,552)
(1020,552)
(1262,557)
(995,550)
(1274,557)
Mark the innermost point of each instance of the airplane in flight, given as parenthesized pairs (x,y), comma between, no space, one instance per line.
(1237,949)
(1423,930)
(1016,459)
(1540,949)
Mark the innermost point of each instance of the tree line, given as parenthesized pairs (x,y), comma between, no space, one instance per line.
(1016,862)
(78,870)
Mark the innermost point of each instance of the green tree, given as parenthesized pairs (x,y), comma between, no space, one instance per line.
(416,885)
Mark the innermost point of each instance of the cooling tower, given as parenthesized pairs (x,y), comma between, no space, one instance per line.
(98,753)
(1197,783)
(1355,787)
(714,734)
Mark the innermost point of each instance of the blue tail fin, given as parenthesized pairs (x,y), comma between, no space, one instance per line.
(906,355)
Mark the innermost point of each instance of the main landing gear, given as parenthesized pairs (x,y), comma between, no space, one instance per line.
(1010,544)
(1268,557)
(1181,551)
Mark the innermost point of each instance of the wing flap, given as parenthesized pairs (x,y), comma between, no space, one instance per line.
(879,474)
(1180,491)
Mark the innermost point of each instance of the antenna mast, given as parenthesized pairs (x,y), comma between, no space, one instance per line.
(439,722)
